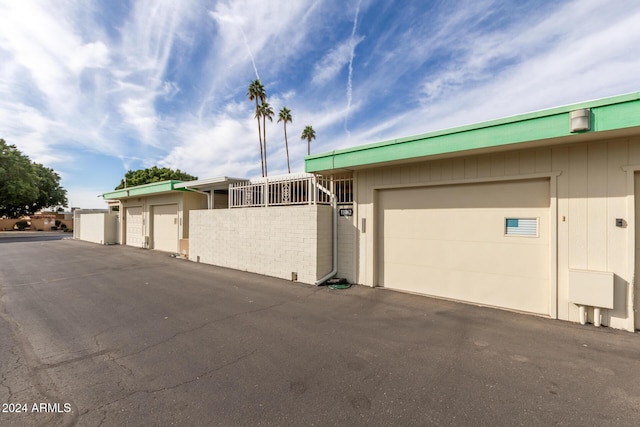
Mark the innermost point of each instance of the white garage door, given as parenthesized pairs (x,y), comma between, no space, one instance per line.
(637,239)
(133,227)
(165,228)
(484,243)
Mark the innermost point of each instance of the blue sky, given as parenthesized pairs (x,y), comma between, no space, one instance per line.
(95,88)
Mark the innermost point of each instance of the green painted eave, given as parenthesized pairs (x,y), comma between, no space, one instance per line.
(607,114)
(143,190)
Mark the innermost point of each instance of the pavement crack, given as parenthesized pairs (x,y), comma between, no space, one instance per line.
(204,325)
(205,373)
(69,361)
(104,417)
(37,377)
(172,387)
(9,391)
(122,366)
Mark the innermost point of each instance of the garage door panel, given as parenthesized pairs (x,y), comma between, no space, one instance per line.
(517,293)
(450,224)
(493,195)
(427,246)
(470,256)
(165,227)
(134,227)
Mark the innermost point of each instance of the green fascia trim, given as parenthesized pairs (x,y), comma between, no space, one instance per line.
(143,190)
(606,114)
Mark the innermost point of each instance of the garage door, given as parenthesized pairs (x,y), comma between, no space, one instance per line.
(165,228)
(637,245)
(133,227)
(483,243)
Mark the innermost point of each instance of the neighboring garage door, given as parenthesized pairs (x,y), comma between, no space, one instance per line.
(637,245)
(133,227)
(165,228)
(453,242)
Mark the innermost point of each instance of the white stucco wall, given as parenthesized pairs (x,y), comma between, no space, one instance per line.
(98,228)
(274,241)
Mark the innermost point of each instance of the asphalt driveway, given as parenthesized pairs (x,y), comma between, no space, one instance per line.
(115,336)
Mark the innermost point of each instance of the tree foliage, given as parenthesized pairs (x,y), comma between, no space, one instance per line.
(266,112)
(151,175)
(257,94)
(308,133)
(26,186)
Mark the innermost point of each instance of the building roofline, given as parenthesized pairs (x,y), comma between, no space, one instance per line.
(607,114)
(143,190)
(209,182)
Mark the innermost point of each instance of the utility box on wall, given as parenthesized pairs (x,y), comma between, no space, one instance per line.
(591,288)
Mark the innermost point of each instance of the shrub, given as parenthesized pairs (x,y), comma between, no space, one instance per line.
(63,226)
(22,224)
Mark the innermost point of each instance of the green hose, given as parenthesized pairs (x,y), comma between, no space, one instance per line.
(339,286)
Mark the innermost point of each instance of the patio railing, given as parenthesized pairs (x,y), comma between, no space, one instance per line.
(292,189)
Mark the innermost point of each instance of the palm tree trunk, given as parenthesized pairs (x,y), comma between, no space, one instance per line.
(260,138)
(264,141)
(286,145)
(308,146)
(261,155)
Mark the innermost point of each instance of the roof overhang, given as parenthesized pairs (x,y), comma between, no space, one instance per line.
(155,188)
(610,117)
(209,184)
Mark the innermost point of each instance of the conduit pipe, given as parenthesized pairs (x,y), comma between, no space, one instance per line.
(582,314)
(596,316)
(334,270)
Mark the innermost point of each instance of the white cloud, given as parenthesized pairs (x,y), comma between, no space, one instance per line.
(220,148)
(86,198)
(274,33)
(334,61)
(165,82)
(577,62)
(558,60)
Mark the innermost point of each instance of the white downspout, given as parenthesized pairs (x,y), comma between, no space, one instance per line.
(334,270)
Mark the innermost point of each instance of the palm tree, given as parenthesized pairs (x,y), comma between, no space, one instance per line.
(308,133)
(285,116)
(257,93)
(267,113)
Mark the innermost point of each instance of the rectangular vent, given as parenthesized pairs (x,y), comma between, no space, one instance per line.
(522,227)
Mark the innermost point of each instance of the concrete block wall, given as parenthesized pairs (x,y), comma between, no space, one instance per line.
(273,241)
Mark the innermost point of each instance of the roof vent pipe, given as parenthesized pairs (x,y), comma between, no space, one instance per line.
(580,120)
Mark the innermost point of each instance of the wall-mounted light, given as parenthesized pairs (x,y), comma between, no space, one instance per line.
(580,120)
